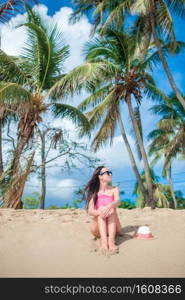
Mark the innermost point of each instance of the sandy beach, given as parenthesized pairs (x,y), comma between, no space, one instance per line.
(58,243)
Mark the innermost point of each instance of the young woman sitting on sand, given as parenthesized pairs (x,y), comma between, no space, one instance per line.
(102,202)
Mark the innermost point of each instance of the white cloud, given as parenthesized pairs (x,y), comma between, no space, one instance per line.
(63,188)
(12,40)
(57,189)
(116,155)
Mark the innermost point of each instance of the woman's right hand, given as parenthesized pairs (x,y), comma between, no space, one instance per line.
(102,210)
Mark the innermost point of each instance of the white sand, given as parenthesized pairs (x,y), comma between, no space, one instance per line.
(58,243)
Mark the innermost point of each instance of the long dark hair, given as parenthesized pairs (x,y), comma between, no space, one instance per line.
(92,187)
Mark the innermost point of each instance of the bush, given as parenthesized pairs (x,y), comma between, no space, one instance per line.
(127,204)
(32,201)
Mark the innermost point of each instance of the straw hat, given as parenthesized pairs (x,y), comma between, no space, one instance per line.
(144,232)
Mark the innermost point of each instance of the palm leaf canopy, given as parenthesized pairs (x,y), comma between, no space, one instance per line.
(169,137)
(142,10)
(45,50)
(25,80)
(112,68)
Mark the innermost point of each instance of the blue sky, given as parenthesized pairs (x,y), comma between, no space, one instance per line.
(61,186)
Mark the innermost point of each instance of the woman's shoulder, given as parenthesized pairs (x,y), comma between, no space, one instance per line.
(115,189)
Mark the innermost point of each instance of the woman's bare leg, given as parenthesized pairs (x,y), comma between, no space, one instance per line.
(95,228)
(118,224)
(111,225)
(102,224)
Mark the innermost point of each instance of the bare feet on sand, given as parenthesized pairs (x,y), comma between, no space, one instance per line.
(113,249)
(103,247)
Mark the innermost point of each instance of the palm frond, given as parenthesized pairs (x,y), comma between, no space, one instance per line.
(157,157)
(11,69)
(107,130)
(176,145)
(164,19)
(80,7)
(95,98)
(85,76)
(116,14)
(154,93)
(14,94)
(45,49)
(164,110)
(72,113)
(177,7)
(10,7)
(97,115)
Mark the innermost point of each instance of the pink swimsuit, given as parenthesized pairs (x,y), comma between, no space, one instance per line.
(103,200)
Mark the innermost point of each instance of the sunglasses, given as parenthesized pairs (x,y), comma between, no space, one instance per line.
(108,173)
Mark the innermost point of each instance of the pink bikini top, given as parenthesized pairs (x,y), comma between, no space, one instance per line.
(103,200)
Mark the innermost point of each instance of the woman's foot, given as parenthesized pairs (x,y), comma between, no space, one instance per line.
(104,246)
(103,249)
(114,251)
(112,246)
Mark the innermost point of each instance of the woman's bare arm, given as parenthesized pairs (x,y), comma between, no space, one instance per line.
(91,210)
(117,200)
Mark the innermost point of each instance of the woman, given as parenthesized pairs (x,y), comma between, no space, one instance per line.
(102,201)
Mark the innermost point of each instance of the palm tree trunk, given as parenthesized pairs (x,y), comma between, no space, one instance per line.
(43,170)
(26,127)
(132,159)
(1,152)
(151,201)
(171,186)
(162,58)
(12,195)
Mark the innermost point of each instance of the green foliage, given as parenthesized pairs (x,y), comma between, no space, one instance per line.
(161,191)
(53,207)
(168,138)
(67,205)
(127,204)
(180,199)
(32,201)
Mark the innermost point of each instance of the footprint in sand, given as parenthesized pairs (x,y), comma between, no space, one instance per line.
(93,245)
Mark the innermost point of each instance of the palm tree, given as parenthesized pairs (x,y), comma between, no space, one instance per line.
(131,156)
(154,19)
(83,6)
(161,191)
(8,7)
(97,9)
(25,82)
(112,72)
(161,138)
(169,137)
